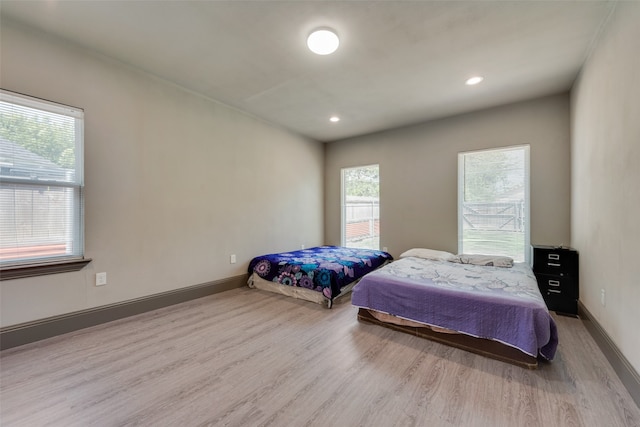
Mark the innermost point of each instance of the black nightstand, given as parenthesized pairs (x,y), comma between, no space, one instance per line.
(556,269)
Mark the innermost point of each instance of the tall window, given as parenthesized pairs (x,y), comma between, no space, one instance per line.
(493,202)
(41,181)
(361,207)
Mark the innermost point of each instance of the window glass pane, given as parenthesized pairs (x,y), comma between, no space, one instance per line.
(36,144)
(493,209)
(361,207)
(39,222)
(41,196)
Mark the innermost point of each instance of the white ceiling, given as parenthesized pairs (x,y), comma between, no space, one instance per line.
(399,62)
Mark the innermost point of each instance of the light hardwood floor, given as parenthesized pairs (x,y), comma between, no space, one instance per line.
(251,358)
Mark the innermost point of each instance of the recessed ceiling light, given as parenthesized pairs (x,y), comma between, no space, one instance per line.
(474,80)
(323,42)
(334,119)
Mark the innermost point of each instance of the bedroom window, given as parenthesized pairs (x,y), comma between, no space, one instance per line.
(361,207)
(493,202)
(41,188)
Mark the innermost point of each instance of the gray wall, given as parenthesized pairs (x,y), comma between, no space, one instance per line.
(605,216)
(418,172)
(175,183)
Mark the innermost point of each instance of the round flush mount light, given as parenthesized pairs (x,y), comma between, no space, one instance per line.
(334,119)
(474,80)
(323,41)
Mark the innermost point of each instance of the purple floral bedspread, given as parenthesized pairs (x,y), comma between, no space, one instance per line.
(324,269)
(503,304)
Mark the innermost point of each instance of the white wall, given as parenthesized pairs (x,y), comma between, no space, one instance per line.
(419,167)
(605,217)
(175,183)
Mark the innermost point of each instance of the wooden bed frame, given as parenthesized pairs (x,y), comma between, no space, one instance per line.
(485,347)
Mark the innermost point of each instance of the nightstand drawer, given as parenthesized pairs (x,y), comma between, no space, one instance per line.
(557,285)
(559,302)
(555,261)
(556,270)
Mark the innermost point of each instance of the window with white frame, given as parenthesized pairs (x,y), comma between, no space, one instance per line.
(41,181)
(361,207)
(493,202)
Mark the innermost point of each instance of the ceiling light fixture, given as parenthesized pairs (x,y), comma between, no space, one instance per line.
(334,119)
(474,80)
(323,41)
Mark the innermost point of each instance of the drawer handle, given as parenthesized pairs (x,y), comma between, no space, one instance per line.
(554,256)
(555,291)
(553,264)
(554,283)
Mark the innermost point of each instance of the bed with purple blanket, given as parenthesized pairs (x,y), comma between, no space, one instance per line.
(497,312)
(320,274)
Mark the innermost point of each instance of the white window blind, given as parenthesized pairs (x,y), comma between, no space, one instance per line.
(41,180)
(493,202)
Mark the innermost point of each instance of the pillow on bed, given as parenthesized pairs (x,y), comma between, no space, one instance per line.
(487,260)
(431,254)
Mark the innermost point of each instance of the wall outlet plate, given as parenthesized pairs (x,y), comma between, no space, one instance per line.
(101,279)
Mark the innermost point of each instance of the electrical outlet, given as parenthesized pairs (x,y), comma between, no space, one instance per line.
(602,299)
(384,249)
(232,259)
(301,246)
(101,279)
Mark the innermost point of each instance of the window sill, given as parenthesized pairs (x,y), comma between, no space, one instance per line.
(32,270)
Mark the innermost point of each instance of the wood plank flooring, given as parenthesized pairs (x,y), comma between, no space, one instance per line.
(251,358)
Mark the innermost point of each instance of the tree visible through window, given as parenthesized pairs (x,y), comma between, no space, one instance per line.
(493,202)
(361,207)
(41,200)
